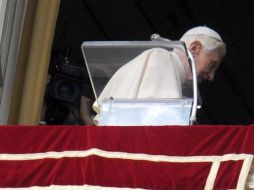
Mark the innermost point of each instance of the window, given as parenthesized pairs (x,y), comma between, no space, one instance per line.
(7,12)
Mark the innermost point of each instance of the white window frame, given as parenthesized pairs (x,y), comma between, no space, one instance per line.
(7,13)
(11,22)
(3,4)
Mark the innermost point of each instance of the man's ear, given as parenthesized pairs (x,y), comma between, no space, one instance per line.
(195,47)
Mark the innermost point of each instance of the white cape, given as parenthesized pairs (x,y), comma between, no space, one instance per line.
(156,73)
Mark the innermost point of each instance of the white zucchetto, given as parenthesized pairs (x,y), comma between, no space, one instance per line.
(203,30)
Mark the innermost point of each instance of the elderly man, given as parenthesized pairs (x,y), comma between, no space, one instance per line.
(208,50)
(158,73)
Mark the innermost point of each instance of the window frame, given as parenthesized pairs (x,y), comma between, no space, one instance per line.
(7,15)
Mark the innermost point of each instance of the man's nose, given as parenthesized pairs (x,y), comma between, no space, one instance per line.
(211,76)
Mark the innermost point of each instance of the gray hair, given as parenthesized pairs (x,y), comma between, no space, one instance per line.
(209,43)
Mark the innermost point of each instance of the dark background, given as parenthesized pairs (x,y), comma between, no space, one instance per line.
(226,100)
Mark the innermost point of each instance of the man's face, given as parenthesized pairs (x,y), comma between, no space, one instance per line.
(207,64)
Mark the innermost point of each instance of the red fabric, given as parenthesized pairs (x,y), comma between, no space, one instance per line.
(104,172)
(228,174)
(95,170)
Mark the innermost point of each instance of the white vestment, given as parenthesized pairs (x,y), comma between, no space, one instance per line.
(156,73)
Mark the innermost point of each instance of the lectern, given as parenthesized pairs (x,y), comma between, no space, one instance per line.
(104,58)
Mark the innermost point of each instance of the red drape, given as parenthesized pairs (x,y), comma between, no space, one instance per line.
(19,142)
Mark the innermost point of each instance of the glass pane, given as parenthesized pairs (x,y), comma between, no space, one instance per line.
(104,58)
(120,112)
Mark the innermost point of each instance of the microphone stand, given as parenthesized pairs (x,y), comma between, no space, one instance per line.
(193,118)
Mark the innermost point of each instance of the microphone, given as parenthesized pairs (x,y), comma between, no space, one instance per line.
(157,37)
